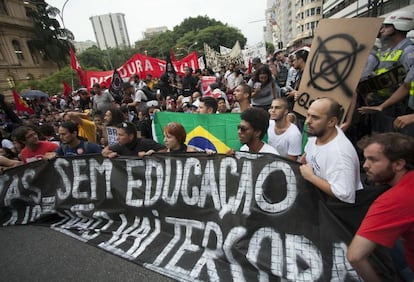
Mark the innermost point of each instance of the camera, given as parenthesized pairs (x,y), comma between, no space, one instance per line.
(285,90)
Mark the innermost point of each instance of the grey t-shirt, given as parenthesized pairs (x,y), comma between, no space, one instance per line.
(102,102)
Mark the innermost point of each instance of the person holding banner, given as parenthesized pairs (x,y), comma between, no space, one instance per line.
(130,145)
(71,144)
(252,128)
(389,160)
(174,138)
(34,149)
(330,161)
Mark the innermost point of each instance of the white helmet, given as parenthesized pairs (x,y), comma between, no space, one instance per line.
(410,35)
(401,20)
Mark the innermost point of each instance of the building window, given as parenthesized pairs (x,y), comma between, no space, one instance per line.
(3,9)
(34,53)
(29,11)
(17,50)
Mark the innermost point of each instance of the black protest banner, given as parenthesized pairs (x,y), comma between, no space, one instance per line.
(190,216)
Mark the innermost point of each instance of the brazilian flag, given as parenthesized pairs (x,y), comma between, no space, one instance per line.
(217,132)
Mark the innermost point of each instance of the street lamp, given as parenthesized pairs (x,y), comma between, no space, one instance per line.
(189,47)
(61,13)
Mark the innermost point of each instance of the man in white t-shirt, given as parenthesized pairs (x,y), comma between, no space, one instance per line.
(252,128)
(283,135)
(330,161)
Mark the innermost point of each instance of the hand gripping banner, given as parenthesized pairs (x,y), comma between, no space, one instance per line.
(187,216)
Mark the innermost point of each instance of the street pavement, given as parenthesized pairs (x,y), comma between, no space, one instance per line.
(37,253)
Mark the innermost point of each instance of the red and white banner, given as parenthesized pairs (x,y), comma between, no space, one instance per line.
(142,65)
(205,84)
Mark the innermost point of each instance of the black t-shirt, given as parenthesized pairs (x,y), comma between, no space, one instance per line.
(189,85)
(138,145)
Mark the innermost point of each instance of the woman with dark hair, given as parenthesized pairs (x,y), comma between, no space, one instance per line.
(113,117)
(265,88)
(128,143)
(174,138)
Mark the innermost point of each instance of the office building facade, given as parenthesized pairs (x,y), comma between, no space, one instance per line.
(110,31)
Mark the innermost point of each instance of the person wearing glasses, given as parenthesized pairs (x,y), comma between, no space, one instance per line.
(251,129)
(130,145)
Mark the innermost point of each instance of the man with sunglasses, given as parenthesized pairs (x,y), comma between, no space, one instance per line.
(252,128)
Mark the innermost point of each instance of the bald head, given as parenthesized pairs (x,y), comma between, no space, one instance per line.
(322,117)
(329,106)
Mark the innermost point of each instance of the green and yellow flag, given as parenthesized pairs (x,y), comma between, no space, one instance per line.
(217,132)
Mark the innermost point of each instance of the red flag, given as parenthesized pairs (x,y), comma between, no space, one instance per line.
(249,67)
(76,66)
(67,90)
(21,105)
(73,61)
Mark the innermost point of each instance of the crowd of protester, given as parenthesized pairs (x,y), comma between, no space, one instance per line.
(265,96)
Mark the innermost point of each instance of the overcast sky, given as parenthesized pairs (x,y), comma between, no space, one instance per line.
(246,15)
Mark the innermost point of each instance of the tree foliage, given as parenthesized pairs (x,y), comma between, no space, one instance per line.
(194,25)
(53,84)
(109,59)
(52,40)
(182,39)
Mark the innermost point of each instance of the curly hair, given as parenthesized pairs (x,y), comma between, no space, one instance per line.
(396,146)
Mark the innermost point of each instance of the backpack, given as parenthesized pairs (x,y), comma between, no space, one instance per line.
(282,75)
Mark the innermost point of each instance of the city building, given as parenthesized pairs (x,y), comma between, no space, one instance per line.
(364,8)
(110,31)
(81,46)
(153,30)
(308,13)
(19,60)
(281,21)
(292,24)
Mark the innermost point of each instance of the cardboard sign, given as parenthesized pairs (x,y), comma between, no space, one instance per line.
(337,58)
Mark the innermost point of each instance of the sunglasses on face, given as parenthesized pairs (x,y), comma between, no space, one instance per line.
(242,128)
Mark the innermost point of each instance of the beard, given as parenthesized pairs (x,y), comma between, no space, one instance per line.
(318,134)
(383,177)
